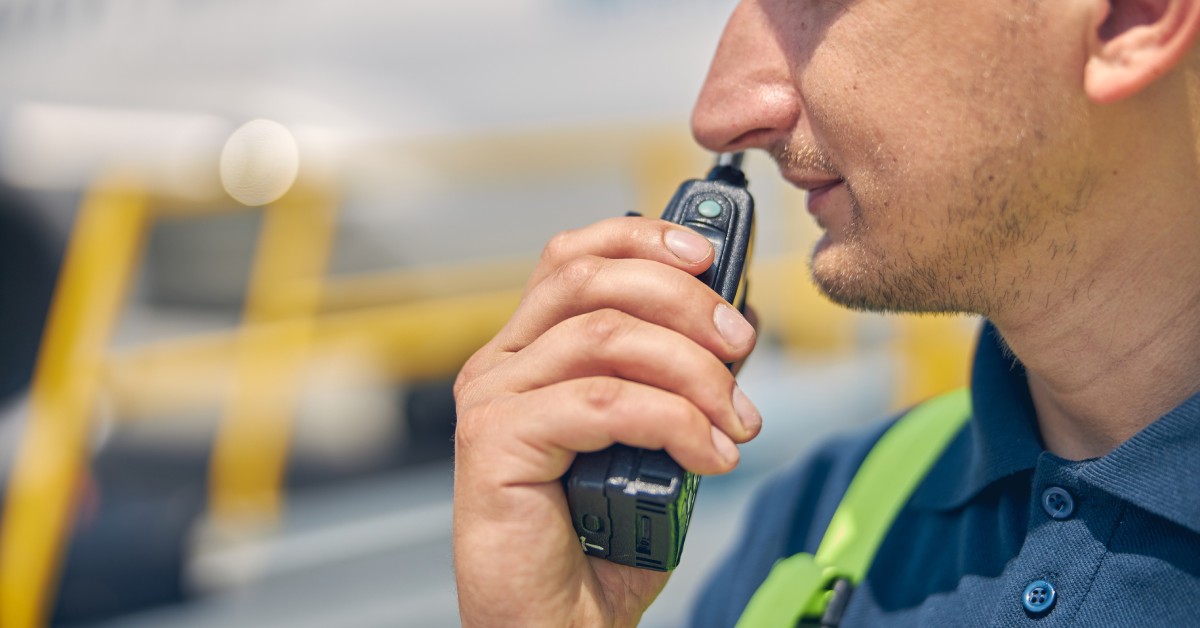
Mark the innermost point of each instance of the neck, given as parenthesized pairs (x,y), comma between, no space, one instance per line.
(1117,345)
(1099,376)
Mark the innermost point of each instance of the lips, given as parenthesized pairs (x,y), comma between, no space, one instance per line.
(821,189)
(813,182)
(818,197)
(819,180)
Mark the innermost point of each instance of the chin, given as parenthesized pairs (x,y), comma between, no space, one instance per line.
(853,278)
(843,278)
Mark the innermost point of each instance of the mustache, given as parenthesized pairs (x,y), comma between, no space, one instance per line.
(805,157)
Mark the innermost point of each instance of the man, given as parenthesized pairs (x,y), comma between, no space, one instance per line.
(1032,162)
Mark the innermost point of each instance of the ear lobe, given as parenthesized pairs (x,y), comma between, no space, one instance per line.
(1134,42)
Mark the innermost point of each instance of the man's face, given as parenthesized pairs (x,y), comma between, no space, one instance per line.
(941,141)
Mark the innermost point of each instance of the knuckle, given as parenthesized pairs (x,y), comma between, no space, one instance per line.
(601,326)
(577,273)
(602,394)
(464,378)
(557,248)
(472,370)
(472,422)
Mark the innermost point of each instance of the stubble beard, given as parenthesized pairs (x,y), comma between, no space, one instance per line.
(989,224)
(961,275)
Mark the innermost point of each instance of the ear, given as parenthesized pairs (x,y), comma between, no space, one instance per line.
(1134,42)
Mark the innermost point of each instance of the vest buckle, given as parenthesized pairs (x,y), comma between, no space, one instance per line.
(841,589)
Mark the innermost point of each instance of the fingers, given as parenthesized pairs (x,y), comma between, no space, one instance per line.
(647,290)
(618,300)
(544,427)
(641,266)
(624,238)
(611,343)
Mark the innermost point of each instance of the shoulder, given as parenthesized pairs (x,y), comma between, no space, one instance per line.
(788,514)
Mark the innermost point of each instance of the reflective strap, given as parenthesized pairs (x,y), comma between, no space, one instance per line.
(798,586)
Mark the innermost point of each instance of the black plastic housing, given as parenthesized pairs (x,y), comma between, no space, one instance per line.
(633,506)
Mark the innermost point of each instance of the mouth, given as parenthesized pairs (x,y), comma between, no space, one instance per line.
(818,193)
(810,170)
(821,188)
(814,182)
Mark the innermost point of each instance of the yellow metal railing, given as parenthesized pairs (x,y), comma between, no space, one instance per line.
(46,474)
(285,286)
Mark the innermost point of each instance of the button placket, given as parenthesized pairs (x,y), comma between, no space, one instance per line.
(1056,552)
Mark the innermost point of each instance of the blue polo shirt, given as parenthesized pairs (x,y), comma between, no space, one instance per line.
(1001,532)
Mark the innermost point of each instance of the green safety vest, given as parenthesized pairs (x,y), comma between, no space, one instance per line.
(814,588)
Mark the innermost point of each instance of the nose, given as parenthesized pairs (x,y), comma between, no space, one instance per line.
(749,99)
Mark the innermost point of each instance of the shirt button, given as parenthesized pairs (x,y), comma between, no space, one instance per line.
(1058,503)
(1038,597)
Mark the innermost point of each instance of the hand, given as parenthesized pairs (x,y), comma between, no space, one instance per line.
(614,341)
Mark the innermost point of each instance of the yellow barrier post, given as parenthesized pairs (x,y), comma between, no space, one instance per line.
(100,260)
(251,448)
(933,352)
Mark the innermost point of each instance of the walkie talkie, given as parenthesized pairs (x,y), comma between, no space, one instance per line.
(632,506)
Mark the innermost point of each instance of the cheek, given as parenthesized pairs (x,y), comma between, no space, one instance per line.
(881,114)
(929,116)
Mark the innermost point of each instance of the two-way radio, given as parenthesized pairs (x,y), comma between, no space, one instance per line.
(633,506)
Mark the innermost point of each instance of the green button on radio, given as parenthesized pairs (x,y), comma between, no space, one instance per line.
(709,208)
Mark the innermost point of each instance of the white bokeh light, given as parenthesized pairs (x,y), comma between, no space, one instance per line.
(260,162)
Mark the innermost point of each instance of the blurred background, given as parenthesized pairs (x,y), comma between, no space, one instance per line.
(245,247)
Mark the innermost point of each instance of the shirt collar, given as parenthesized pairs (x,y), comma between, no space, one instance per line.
(1157,470)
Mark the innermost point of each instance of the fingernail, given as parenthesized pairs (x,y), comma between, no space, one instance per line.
(687,245)
(732,326)
(751,418)
(724,446)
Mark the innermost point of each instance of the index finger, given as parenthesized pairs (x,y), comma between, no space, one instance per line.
(626,237)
